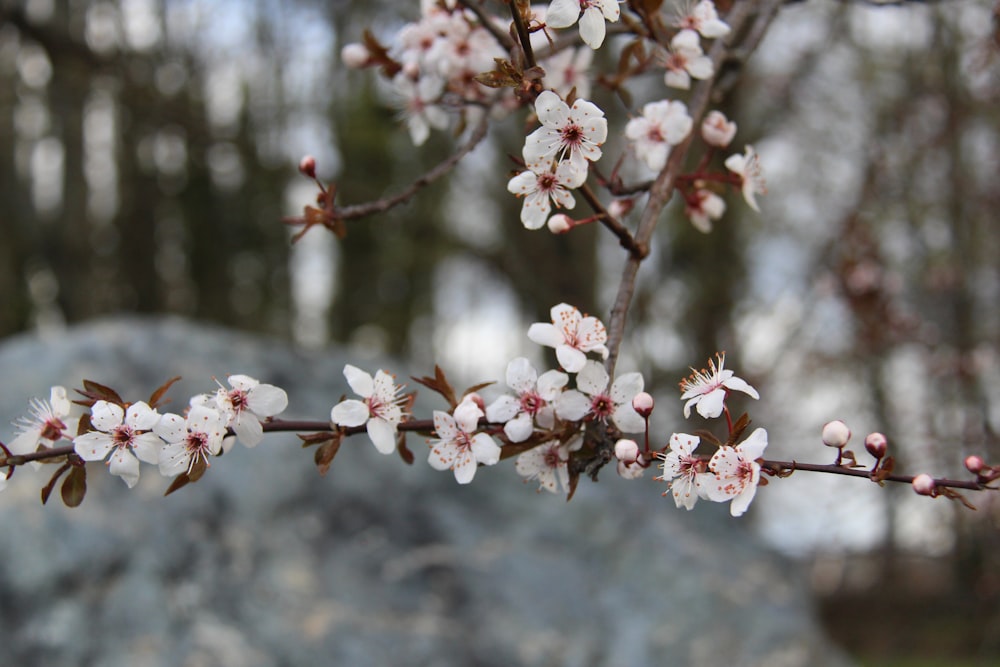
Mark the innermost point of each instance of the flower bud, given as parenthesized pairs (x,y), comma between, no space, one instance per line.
(476,399)
(308,166)
(355,55)
(626,451)
(974,464)
(836,434)
(633,471)
(619,208)
(876,444)
(560,223)
(716,130)
(924,485)
(643,404)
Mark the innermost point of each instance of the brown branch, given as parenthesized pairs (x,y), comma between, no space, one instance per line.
(789,466)
(502,38)
(662,188)
(613,224)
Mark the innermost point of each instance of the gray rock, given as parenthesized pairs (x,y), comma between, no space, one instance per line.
(264,562)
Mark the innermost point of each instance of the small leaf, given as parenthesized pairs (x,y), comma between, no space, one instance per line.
(74,487)
(101,392)
(179,482)
(324,455)
(47,489)
(198,469)
(84,424)
(574,481)
(404,451)
(156,398)
(312,439)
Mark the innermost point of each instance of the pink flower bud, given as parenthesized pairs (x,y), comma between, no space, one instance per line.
(308,166)
(836,434)
(633,471)
(974,464)
(643,404)
(355,55)
(626,451)
(716,130)
(924,485)
(477,399)
(876,444)
(619,208)
(560,223)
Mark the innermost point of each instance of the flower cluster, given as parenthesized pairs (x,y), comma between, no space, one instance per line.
(732,473)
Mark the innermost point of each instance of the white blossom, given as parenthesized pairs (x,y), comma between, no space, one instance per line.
(549,464)
(707,389)
(379,410)
(683,471)
(125,434)
(246,403)
(572,335)
(45,424)
(189,439)
(458,447)
(533,402)
(662,125)
(685,60)
(567,133)
(593,398)
(538,188)
(747,167)
(736,473)
(591,14)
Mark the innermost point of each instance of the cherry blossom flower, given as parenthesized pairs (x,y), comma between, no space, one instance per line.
(705,19)
(246,403)
(548,463)
(702,207)
(591,14)
(574,133)
(662,124)
(572,335)
(599,402)
(459,448)
(380,410)
(747,167)
(683,471)
(717,130)
(707,389)
(736,473)
(538,188)
(420,109)
(125,434)
(533,403)
(567,70)
(44,425)
(685,60)
(188,440)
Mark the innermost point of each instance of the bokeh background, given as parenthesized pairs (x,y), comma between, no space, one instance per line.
(148,152)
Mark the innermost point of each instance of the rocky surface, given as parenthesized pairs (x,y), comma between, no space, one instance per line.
(265,563)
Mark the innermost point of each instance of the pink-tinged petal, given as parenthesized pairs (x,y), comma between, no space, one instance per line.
(442,455)
(384,386)
(126,466)
(572,405)
(523,183)
(92,446)
(700,67)
(445,426)
(742,501)
(464,467)
(592,27)
(485,449)
(679,79)
(59,401)
(562,13)
(738,384)
(141,417)
(592,378)
(546,417)
(547,334)
(361,382)
(520,428)
(551,383)
(248,429)
(146,446)
(710,405)
(521,375)
(753,447)
(683,443)
(570,177)
(551,110)
(382,435)
(171,427)
(535,210)
(242,382)
(105,416)
(467,415)
(565,316)
(628,420)
(684,493)
(625,387)
(503,409)
(26,442)
(267,400)
(350,412)
(174,459)
(570,358)
(563,199)
(610,9)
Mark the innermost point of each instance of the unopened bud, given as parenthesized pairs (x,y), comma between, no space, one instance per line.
(560,223)
(974,464)
(308,166)
(619,208)
(836,434)
(355,55)
(876,444)
(643,404)
(626,451)
(476,399)
(716,130)
(924,485)
(633,471)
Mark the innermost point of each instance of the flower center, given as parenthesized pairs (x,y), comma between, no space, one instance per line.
(551,457)
(572,135)
(532,403)
(238,398)
(601,406)
(52,429)
(122,436)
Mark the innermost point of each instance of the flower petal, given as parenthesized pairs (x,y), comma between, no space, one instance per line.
(350,412)
(126,466)
(383,435)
